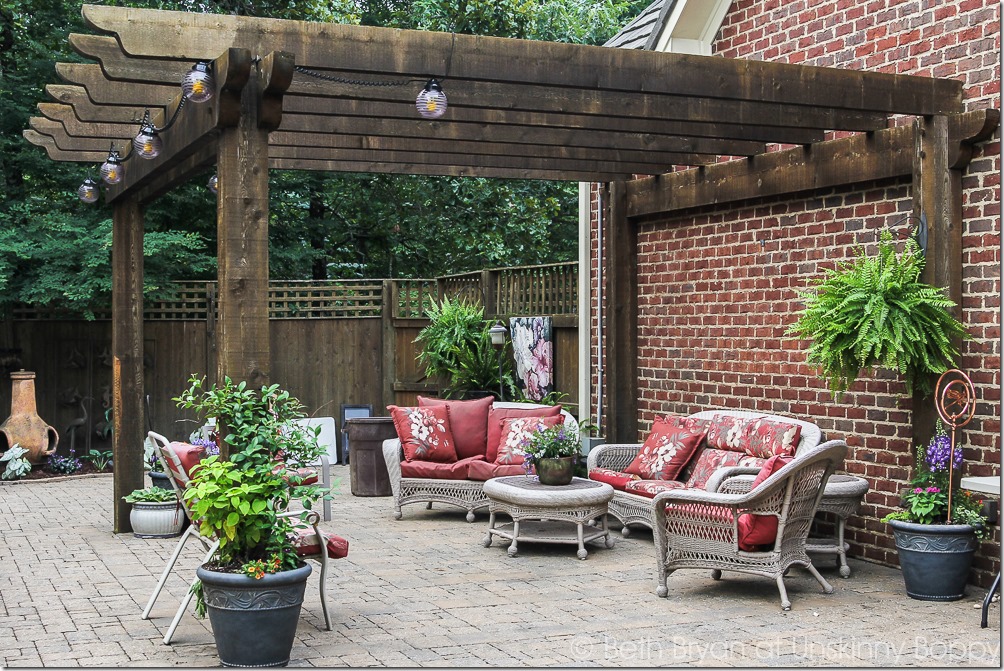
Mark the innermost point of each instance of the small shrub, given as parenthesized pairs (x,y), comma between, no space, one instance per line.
(17,465)
(63,465)
(101,459)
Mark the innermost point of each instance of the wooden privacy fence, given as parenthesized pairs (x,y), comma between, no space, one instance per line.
(333,342)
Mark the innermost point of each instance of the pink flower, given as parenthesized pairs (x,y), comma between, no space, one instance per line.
(933,490)
(918,490)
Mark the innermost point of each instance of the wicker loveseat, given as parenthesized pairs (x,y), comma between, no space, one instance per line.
(632,502)
(459,483)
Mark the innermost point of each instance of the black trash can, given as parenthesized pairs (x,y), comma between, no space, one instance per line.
(367,468)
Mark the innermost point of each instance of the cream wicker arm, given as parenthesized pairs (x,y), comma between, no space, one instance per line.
(732,479)
(615,456)
(700,529)
(393,453)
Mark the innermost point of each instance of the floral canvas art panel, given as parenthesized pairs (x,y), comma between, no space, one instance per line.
(533,352)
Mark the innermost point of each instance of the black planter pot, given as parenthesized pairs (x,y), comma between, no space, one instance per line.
(160,480)
(935,558)
(254,621)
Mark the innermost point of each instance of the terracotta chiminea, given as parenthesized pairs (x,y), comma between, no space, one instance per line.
(24,427)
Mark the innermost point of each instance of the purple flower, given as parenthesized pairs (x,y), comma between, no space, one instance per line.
(938,454)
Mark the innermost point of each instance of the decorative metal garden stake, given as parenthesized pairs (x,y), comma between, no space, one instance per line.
(956,404)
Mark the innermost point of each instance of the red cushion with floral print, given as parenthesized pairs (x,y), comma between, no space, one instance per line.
(495,417)
(650,488)
(438,470)
(189,456)
(668,448)
(615,479)
(305,542)
(482,471)
(766,438)
(468,421)
(758,530)
(515,432)
(710,460)
(425,433)
(725,432)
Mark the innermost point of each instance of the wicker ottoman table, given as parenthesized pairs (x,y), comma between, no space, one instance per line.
(842,497)
(524,499)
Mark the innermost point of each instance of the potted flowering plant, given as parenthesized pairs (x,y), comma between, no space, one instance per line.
(935,552)
(553,452)
(156,513)
(242,501)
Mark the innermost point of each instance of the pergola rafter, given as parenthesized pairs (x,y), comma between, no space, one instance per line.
(518,109)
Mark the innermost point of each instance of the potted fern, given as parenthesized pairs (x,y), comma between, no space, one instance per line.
(875,312)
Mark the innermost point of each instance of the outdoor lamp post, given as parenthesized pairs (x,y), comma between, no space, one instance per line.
(497,334)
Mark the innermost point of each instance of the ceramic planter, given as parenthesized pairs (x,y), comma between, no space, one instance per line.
(254,621)
(156,520)
(555,470)
(935,558)
(160,480)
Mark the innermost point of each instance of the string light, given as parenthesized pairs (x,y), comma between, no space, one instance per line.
(88,191)
(198,84)
(112,170)
(431,101)
(213,183)
(147,143)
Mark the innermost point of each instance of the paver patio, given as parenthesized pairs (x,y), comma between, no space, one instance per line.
(423,591)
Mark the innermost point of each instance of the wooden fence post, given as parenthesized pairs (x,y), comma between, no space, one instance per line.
(621,323)
(388,310)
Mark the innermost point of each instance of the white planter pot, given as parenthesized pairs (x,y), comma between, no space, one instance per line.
(156,520)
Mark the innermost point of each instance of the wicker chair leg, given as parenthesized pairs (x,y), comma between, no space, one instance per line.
(470,514)
(827,588)
(428,506)
(625,531)
(716,574)
(785,603)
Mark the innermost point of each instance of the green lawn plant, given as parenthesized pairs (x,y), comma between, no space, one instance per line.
(17,466)
(101,459)
(239,498)
(150,495)
(875,312)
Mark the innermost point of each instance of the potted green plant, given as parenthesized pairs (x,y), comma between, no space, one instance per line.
(935,552)
(242,501)
(156,513)
(553,453)
(876,313)
(457,349)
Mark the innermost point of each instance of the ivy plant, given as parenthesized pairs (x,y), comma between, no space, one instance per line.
(875,312)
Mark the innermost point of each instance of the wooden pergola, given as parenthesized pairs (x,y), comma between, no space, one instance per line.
(309,96)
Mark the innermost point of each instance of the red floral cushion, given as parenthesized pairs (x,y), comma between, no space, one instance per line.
(766,438)
(668,448)
(515,432)
(615,479)
(725,432)
(468,421)
(758,530)
(650,488)
(437,470)
(306,544)
(189,456)
(482,470)
(425,433)
(710,460)
(495,417)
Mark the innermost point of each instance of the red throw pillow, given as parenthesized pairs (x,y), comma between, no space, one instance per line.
(425,433)
(468,421)
(495,417)
(615,479)
(668,448)
(765,438)
(516,430)
(757,530)
(725,432)
(189,456)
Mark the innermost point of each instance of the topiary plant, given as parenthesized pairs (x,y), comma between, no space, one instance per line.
(875,312)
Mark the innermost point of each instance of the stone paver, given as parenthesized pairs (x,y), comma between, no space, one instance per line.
(423,591)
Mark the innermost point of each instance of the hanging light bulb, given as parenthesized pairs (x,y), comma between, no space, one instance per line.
(198,85)
(112,170)
(88,191)
(213,183)
(147,142)
(431,101)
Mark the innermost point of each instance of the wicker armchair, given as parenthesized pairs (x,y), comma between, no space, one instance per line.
(699,529)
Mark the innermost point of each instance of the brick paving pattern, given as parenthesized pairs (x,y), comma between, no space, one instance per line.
(423,591)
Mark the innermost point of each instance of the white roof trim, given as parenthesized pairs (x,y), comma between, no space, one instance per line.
(689,27)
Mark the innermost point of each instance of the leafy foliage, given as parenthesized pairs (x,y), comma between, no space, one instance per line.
(101,459)
(17,466)
(240,500)
(875,312)
(150,495)
(457,347)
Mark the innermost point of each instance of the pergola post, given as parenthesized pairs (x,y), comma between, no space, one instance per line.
(937,195)
(621,326)
(127,354)
(242,334)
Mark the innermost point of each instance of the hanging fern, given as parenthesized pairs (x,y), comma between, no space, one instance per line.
(875,312)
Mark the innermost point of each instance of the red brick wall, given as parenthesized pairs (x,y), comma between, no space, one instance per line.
(717,287)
